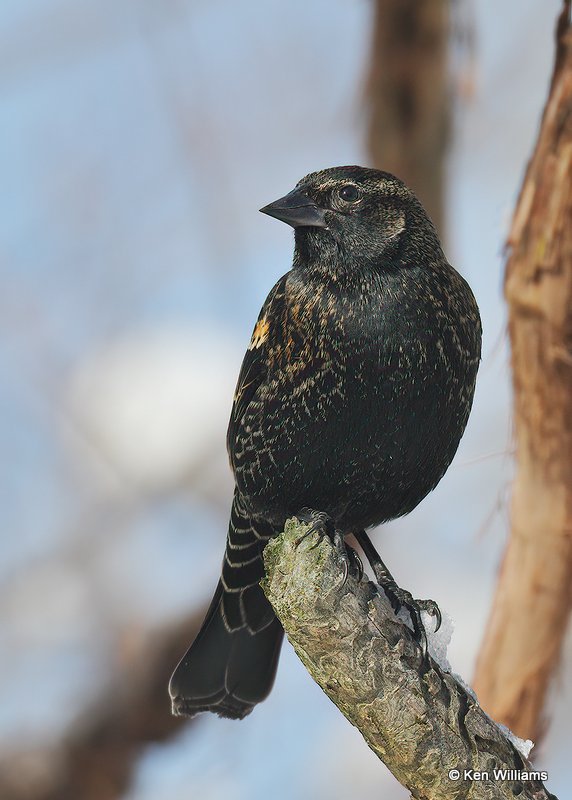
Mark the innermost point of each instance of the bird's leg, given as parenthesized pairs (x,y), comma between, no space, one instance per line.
(398,597)
(321,523)
(356,560)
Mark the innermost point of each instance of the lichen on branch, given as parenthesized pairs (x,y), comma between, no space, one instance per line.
(417,717)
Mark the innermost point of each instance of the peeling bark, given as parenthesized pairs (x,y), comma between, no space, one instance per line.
(531,608)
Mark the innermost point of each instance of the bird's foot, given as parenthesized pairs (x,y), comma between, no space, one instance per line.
(401,598)
(318,521)
(398,597)
(356,562)
(323,524)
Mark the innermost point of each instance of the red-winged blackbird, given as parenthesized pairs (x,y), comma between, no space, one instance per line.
(352,398)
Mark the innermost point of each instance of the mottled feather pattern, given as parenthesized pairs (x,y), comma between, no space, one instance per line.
(352,398)
(332,364)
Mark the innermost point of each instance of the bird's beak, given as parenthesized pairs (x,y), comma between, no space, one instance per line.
(297,210)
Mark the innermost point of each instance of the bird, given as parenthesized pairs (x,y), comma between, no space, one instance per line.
(353,395)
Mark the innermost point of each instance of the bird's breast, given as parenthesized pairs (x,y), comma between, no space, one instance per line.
(377,389)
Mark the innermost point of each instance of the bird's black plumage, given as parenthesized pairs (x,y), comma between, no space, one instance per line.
(352,398)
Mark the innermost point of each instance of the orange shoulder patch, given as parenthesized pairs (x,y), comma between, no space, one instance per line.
(260,334)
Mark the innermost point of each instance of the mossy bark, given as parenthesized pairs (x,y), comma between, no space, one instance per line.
(419,720)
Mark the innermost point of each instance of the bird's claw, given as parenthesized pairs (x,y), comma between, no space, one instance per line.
(430,607)
(357,562)
(318,521)
(346,570)
(400,598)
(321,523)
(351,562)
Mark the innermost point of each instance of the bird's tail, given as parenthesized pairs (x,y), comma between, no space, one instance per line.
(231,665)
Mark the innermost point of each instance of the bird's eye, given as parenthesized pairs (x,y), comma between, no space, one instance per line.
(349,193)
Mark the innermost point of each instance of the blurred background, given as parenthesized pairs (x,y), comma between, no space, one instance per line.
(138,140)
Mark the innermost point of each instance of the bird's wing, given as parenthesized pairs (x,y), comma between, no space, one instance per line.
(268,329)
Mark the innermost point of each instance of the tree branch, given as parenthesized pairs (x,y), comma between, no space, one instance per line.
(96,759)
(420,722)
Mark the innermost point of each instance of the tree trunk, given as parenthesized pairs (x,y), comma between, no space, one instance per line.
(523,640)
(408,96)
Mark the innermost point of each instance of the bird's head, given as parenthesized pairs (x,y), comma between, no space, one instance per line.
(361,215)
